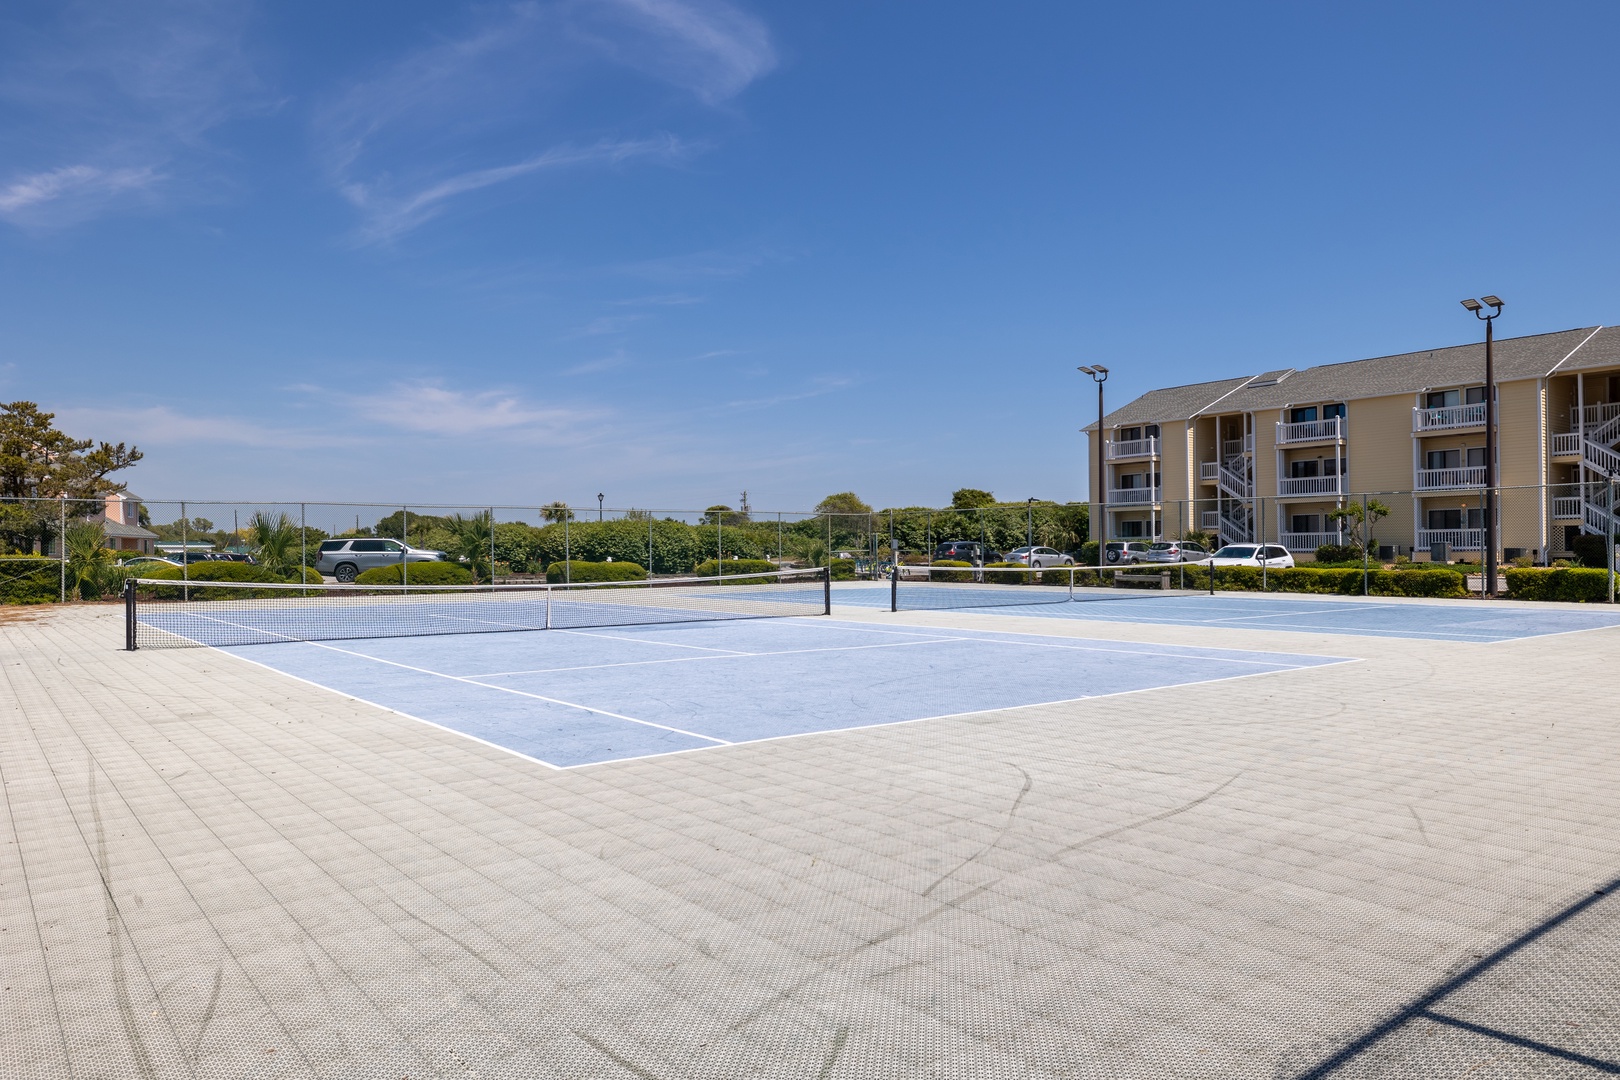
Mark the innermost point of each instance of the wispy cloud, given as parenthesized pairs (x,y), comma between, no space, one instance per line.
(432,408)
(163,425)
(388,215)
(817,388)
(111,105)
(613,360)
(451,119)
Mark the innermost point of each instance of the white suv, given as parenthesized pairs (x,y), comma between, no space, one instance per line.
(347,559)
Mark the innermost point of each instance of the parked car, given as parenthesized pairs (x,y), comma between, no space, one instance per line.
(1038,558)
(1251,555)
(149,562)
(968,551)
(1175,551)
(347,559)
(235,556)
(1121,552)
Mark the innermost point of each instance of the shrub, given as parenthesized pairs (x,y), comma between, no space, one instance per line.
(577,571)
(417,573)
(1007,575)
(1090,553)
(1589,549)
(952,574)
(214,571)
(1438,582)
(1575,585)
(1338,553)
(713,568)
(29,579)
(843,569)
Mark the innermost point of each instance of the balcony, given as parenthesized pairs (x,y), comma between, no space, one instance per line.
(1311,485)
(1459,539)
(1566,508)
(1309,541)
(1232,448)
(1311,431)
(1210,520)
(1211,470)
(1471,476)
(1448,418)
(1141,496)
(1595,415)
(1567,444)
(1118,451)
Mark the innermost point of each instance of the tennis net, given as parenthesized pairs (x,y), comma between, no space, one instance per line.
(171,614)
(947,588)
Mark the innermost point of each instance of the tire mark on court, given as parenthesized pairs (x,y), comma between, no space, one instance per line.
(833,1054)
(208,1014)
(1162,816)
(1012,815)
(115,935)
(617,1058)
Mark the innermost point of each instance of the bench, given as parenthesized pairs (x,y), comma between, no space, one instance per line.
(1161,579)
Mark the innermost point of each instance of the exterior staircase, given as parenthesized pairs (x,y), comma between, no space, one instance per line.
(1599,455)
(1235,478)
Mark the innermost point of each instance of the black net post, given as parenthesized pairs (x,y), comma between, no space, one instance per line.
(826,590)
(129,615)
(894,587)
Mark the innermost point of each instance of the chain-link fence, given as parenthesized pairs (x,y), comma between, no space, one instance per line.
(87,543)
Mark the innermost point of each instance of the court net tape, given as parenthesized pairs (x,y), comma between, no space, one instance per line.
(947,588)
(172,614)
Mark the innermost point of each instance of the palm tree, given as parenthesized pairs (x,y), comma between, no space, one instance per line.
(556,511)
(274,541)
(473,536)
(89,562)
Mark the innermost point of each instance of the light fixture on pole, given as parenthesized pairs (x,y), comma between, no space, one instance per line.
(1488,535)
(599,498)
(1099,375)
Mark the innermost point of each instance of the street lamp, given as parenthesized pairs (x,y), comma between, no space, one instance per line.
(1478,307)
(1099,375)
(599,497)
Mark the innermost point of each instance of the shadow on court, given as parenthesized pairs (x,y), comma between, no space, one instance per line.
(1542,1004)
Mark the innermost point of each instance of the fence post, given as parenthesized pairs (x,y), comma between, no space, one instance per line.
(185,557)
(61,549)
(1366,542)
(568,558)
(1264,586)
(404,555)
(303,541)
(129,614)
(649,545)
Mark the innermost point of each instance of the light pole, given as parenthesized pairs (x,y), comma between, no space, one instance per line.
(1029,527)
(1490,438)
(1099,528)
(599,497)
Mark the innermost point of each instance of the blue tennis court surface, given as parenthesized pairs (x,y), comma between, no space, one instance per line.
(1442,620)
(575,697)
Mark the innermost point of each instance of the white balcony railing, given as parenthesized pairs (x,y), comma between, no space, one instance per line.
(1310,541)
(1600,458)
(1309,431)
(1567,444)
(1451,416)
(1596,415)
(1470,476)
(1566,507)
(1210,470)
(1141,496)
(1235,483)
(1211,519)
(1133,448)
(1232,448)
(1459,539)
(1310,485)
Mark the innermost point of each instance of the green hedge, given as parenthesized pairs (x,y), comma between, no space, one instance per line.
(952,574)
(418,573)
(30,579)
(712,568)
(1572,585)
(577,571)
(1438,582)
(1338,553)
(843,569)
(213,571)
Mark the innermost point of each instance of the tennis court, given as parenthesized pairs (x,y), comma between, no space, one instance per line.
(582,696)
(1439,620)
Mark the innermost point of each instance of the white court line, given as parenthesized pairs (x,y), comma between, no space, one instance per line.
(588,632)
(521,693)
(952,716)
(728,656)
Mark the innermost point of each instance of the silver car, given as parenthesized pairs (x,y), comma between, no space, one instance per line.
(1039,558)
(347,559)
(1174,551)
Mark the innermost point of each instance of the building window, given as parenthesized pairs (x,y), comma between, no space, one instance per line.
(1302,415)
(1128,434)
(1305,523)
(1443,459)
(1151,431)
(1476,457)
(1474,395)
(1454,519)
(1300,470)
(1330,411)
(1130,528)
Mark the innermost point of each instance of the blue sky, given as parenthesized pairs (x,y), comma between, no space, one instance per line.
(672,249)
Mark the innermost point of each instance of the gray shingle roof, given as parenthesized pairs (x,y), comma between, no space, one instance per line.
(1458,365)
(130,532)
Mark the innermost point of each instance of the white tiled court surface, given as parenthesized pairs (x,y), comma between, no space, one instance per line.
(211,870)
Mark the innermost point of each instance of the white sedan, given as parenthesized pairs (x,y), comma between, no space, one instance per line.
(1039,558)
(1269,555)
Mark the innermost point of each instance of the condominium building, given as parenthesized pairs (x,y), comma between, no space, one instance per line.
(1270,456)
